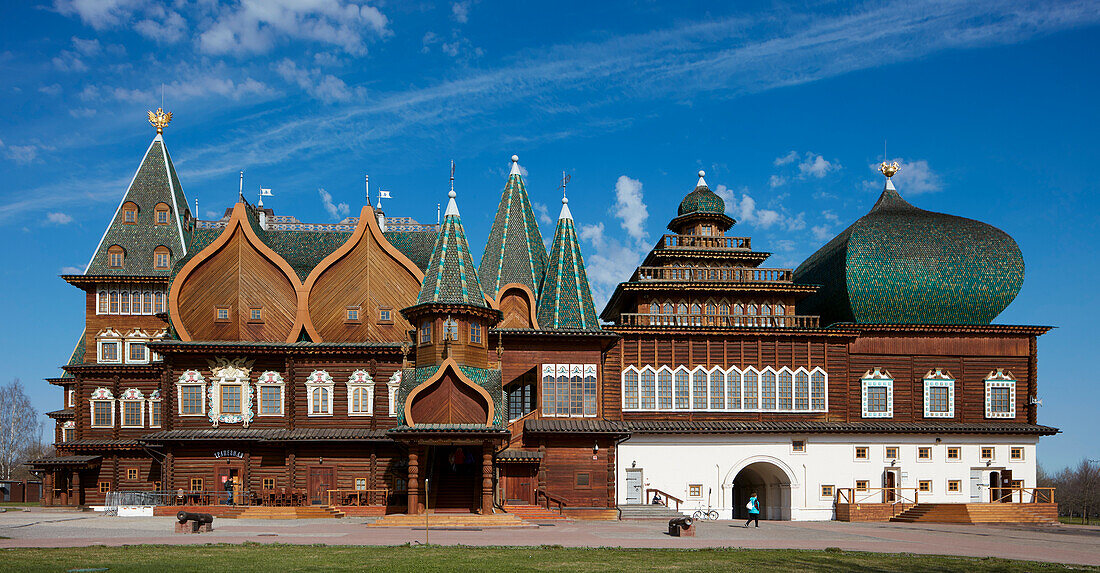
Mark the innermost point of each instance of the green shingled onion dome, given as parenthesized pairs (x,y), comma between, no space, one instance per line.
(902,265)
(702,200)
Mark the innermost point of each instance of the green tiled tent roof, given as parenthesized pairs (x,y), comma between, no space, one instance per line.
(451,277)
(417,245)
(514,252)
(488,379)
(565,299)
(902,265)
(155,182)
(77,357)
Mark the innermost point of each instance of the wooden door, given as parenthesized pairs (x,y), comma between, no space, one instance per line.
(633,485)
(229,474)
(520,482)
(1007,494)
(320,481)
(891,482)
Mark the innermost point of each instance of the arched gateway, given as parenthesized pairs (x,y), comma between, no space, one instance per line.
(771,480)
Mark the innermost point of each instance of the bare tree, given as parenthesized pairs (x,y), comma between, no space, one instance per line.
(18,426)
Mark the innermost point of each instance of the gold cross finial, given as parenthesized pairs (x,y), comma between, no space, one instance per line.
(159,119)
(889,169)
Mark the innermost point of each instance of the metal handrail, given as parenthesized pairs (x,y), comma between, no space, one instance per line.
(719,320)
(667,496)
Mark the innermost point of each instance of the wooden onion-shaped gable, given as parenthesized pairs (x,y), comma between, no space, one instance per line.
(449,397)
(366,273)
(518,305)
(238,272)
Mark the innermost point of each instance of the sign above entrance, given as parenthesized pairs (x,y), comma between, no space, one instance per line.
(228,454)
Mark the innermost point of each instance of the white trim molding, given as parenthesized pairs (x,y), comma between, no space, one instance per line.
(101,395)
(230,374)
(939,379)
(270,379)
(720,389)
(132,396)
(322,381)
(360,380)
(1000,379)
(878,378)
(191,378)
(393,385)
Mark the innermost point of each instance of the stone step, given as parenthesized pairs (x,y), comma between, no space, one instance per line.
(451,520)
(647,511)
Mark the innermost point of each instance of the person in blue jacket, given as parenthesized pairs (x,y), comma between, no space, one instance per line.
(754,510)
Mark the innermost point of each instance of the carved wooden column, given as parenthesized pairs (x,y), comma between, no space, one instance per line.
(78,490)
(47,488)
(486,478)
(414,480)
(167,478)
(290,466)
(65,488)
(612,478)
(373,473)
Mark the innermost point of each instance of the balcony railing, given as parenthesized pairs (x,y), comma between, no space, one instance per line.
(718,274)
(704,242)
(718,321)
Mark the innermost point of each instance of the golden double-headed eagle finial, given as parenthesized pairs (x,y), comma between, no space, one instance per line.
(889,169)
(159,119)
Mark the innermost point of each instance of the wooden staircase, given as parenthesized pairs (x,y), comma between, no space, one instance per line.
(452,521)
(1032,513)
(534,512)
(309,512)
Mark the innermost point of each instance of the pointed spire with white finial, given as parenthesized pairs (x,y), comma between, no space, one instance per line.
(702,182)
(515,166)
(452,206)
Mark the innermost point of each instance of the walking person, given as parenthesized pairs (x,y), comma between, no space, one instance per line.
(754,510)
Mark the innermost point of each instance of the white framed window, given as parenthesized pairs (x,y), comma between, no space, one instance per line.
(191,394)
(450,330)
(132,404)
(101,297)
(630,388)
(648,389)
(137,352)
(750,388)
(68,431)
(767,389)
(939,394)
(785,388)
(717,389)
(682,388)
(229,396)
(269,393)
(154,409)
(393,385)
(109,345)
(70,398)
(158,302)
(569,390)
(591,386)
(360,388)
(102,408)
(733,389)
(1000,395)
(426,332)
(319,393)
(699,389)
(664,388)
(877,394)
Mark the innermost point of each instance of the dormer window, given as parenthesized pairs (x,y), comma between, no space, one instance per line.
(129,213)
(426,332)
(161,258)
(161,214)
(116,257)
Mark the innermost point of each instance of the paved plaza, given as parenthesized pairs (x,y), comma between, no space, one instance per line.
(1062,544)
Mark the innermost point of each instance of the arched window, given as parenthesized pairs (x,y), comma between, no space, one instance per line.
(630,389)
(116,257)
(114,302)
(146,302)
(649,394)
(711,311)
(765,309)
(102,302)
(320,401)
(129,212)
(717,390)
(161,214)
(767,390)
(158,303)
(654,308)
(750,390)
(683,392)
(360,401)
(801,390)
(668,308)
(724,314)
(125,302)
(162,258)
(664,389)
(682,308)
(450,330)
(699,389)
(785,389)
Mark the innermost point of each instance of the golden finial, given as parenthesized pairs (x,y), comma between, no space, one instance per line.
(159,119)
(889,169)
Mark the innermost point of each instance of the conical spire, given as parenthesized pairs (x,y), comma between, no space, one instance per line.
(451,277)
(136,225)
(514,252)
(565,299)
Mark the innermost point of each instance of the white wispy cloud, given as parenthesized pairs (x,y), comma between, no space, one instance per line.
(335,210)
(58,218)
(608,260)
(461,12)
(630,208)
(70,270)
(816,166)
(325,87)
(543,212)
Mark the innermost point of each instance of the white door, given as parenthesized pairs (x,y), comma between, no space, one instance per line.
(633,485)
(976,485)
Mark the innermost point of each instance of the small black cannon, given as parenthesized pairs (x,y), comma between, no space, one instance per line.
(199,522)
(681,526)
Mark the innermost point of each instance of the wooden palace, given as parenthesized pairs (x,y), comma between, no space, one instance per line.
(372,367)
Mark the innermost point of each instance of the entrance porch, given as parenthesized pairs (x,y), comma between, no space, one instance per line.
(450,467)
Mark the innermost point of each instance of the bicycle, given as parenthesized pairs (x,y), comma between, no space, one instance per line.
(705,515)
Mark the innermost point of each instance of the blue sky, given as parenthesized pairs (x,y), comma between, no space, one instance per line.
(989,106)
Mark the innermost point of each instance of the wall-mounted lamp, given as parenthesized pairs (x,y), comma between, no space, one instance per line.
(893,463)
(321,461)
(634,463)
(595,448)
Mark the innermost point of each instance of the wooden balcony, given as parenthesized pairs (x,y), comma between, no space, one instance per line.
(704,242)
(717,321)
(716,274)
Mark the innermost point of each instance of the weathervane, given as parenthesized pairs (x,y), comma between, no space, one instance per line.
(564,181)
(159,119)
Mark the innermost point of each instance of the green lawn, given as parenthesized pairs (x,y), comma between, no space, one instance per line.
(1077,520)
(17,504)
(283,558)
